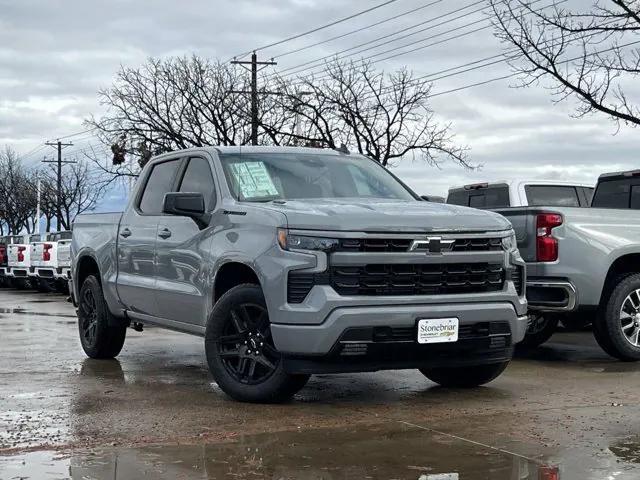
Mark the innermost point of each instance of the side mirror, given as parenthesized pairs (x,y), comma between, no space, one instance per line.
(184,204)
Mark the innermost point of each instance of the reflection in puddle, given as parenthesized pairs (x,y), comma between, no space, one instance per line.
(320,454)
(627,450)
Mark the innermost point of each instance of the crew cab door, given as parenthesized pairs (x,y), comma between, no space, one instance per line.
(182,250)
(137,236)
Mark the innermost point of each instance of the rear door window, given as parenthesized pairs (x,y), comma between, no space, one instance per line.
(552,195)
(487,197)
(160,182)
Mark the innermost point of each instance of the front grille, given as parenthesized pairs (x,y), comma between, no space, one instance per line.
(516,277)
(420,279)
(390,245)
(399,279)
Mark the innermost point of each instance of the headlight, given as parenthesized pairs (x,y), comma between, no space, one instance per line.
(288,241)
(509,243)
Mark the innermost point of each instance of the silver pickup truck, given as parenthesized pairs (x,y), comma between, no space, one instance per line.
(295,261)
(583,264)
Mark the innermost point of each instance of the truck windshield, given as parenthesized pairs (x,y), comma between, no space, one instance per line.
(263,177)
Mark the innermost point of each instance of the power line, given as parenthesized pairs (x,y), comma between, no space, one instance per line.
(317,29)
(337,37)
(397,32)
(448,39)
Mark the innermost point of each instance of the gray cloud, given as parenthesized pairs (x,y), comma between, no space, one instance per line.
(54,56)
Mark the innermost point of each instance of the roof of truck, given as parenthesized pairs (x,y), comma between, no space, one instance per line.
(522,182)
(259,149)
(627,173)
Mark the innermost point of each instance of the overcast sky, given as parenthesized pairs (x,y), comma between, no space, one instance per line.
(54,55)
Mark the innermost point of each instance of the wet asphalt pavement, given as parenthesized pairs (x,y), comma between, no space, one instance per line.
(563,411)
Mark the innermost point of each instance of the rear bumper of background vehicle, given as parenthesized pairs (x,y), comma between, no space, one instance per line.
(551,295)
(385,337)
(19,272)
(44,272)
(62,273)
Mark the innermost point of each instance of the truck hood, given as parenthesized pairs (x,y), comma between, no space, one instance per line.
(357,214)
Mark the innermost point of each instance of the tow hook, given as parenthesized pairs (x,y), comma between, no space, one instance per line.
(137,326)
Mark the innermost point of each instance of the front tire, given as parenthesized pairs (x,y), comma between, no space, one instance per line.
(617,328)
(541,328)
(100,336)
(464,377)
(240,351)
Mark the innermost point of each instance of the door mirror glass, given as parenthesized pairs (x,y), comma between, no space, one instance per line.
(184,204)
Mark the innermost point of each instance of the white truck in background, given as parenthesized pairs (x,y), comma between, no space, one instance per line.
(19,260)
(520,193)
(50,262)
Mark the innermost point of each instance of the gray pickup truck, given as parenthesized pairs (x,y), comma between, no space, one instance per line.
(295,261)
(583,264)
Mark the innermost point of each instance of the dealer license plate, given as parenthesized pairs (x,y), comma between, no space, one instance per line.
(437,330)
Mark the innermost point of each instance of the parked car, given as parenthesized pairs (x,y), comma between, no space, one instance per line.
(50,261)
(504,194)
(19,261)
(530,193)
(4,241)
(584,263)
(296,261)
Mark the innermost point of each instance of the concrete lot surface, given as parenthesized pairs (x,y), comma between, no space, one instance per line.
(564,411)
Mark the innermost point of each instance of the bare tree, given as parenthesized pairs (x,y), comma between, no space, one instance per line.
(591,55)
(190,102)
(82,189)
(18,197)
(383,116)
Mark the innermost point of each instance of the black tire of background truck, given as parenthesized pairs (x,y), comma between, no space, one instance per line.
(108,337)
(20,283)
(464,377)
(607,329)
(278,386)
(539,333)
(62,286)
(43,286)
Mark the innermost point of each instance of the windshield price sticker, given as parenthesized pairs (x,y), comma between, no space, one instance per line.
(437,330)
(254,179)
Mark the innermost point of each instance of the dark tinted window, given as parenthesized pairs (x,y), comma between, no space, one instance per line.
(198,179)
(635,197)
(491,197)
(612,194)
(588,193)
(552,195)
(160,182)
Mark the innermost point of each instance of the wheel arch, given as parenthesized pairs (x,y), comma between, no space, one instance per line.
(623,265)
(231,274)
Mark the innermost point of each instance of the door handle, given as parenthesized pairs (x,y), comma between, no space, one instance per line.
(164,233)
(125,233)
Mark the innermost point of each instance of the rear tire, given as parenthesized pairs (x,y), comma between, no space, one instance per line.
(464,377)
(100,335)
(62,286)
(43,286)
(240,351)
(540,330)
(20,283)
(617,327)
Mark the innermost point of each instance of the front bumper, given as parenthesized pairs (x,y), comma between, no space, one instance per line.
(321,340)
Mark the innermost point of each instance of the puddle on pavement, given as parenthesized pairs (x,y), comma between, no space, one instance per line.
(372,452)
(627,450)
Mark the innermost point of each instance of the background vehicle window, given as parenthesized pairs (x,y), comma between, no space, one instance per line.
(588,193)
(612,194)
(198,179)
(491,197)
(635,197)
(160,182)
(552,195)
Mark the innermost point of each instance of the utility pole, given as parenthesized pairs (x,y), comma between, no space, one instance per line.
(254,90)
(59,161)
(38,207)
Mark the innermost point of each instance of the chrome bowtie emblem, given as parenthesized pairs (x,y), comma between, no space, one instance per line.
(432,245)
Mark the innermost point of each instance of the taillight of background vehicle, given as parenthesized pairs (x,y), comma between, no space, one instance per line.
(548,473)
(46,254)
(3,254)
(21,253)
(546,244)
